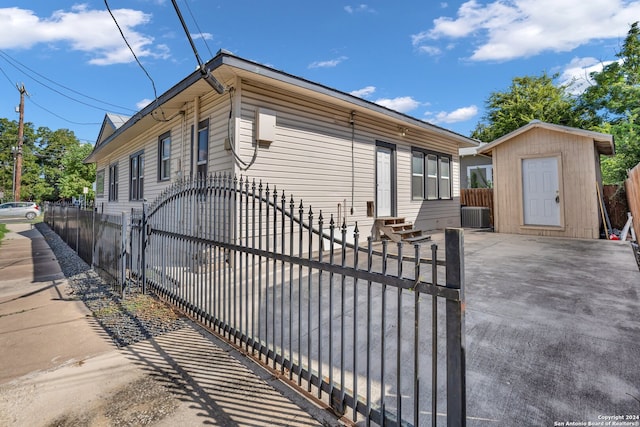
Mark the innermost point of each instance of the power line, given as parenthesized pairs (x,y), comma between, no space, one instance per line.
(206,74)
(198,27)
(106,3)
(9,58)
(45,109)
(57,91)
(5,74)
(59,116)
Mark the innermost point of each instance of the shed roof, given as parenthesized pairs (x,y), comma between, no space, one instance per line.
(227,65)
(604,142)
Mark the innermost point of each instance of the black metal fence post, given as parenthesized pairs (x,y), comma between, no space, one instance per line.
(143,248)
(123,252)
(456,393)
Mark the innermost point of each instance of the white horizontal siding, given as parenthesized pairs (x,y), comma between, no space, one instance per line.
(214,108)
(311,158)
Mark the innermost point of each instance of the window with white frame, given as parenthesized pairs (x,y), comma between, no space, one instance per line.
(203,148)
(444,177)
(113,182)
(136,176)
(480,176)
(417,175)
(430,175)
(164,157)
(100,183)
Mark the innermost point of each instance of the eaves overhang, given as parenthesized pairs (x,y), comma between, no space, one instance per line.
(193,86)
(603,142)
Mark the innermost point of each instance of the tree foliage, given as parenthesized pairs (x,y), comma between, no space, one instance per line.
(52,163)
(610,105)
(613,102)
(528,98)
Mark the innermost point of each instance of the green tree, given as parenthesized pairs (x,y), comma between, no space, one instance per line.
(528,98)
(8,146)
(626,135)
(613,103)
(54,147)
(52,163)
(77,175)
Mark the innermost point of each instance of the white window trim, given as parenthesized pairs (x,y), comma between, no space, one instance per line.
(488,172)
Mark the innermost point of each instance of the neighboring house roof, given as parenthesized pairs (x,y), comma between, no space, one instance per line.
(471,151)
(110,124)
(227,65)
(604,142)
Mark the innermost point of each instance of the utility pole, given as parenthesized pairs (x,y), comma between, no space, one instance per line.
(18,161)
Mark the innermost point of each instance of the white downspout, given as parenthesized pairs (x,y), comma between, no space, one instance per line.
(194,144)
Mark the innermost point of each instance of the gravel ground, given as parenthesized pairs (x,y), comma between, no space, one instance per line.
(128,320)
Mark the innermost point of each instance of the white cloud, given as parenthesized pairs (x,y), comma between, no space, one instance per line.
(143,103)
(504,30)
(204,36)
(430,50)
(359,8)
(403,104)
(577,74)
(328,64)
(364,92)
(85,30)
(460,115)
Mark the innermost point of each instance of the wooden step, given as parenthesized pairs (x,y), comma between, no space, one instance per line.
(418,239)
(398,229)
(389,220)
(402,226)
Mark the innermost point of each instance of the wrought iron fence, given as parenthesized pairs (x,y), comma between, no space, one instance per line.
(355,324)
(99,239)
(375,330)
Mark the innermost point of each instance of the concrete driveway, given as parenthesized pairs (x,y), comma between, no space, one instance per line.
(552,330)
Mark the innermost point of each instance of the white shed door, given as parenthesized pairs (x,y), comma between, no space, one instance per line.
(383,184)
(540,191)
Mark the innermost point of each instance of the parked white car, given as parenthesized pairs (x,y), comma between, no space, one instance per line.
(28,210)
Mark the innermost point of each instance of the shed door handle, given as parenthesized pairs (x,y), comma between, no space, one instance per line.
(557,197)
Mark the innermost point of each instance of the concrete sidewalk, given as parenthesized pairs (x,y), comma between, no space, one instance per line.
(58,367)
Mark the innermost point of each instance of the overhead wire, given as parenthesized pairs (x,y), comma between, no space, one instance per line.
(198,27)
(153,84)
(206,74)
(10,59)
(59,116)
(241,163)
(45,109)
(58,92)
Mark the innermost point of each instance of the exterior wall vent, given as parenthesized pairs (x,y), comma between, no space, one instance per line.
(474,217)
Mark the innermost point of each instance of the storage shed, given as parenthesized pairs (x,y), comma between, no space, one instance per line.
(547,180)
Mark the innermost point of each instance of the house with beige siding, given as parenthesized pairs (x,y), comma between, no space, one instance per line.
(342,155)
(547,180)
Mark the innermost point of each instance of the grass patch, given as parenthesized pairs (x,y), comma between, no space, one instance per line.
(141,306)
(3,230)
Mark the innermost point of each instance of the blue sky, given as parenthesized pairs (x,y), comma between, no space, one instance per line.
(436,61)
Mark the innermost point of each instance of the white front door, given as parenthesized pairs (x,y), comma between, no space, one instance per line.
(383,182)
(541,191)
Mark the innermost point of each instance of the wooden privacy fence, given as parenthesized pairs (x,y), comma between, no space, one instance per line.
(478,197)
(632,185)
(615,202)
